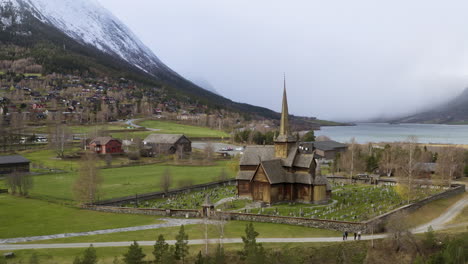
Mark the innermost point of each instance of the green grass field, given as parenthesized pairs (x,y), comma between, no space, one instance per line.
(85,129)
(125,181)
(29,217)
(233,229)
(189,131)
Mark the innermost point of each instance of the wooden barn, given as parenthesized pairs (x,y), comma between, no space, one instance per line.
(106,145)
(282,172)
(167,143)
(14,163)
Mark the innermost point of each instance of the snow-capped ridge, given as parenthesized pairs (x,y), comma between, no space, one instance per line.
(88,23)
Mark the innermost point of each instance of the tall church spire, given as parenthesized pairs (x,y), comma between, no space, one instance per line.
(284,127)
(285,134)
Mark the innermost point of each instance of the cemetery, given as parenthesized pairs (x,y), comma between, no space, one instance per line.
(350,202)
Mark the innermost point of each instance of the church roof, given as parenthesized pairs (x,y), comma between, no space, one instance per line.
(303,160)
(245,175)
(253,155)
(275,171)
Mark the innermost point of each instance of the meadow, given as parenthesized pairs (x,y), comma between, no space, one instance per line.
(167,127)
(126,181)
(29,217)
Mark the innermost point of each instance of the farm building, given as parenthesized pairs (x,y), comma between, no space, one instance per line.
(281,172)
(106,145)
(325,149)
(167,143)
(15,163)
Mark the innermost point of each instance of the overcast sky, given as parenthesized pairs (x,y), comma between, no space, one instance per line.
(344,60)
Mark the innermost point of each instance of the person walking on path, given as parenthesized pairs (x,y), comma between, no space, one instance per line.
(359,235)
(346,235)
(355,235)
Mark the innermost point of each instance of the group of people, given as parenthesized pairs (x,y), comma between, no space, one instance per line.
(356,235)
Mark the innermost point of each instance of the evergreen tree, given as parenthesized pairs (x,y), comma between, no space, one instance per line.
(34,259)
(134,254)
(181,246)
(253,252)
(220,258)
(161,250)
(89,256)
(309,136)
(200,259)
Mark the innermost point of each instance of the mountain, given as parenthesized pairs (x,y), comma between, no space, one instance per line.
(82,36)
(454,111)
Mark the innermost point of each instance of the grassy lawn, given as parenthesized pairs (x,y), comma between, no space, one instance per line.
(125,181)
(28,217)
(233,229)
(84,129)
(432,210)
(189,131)
(45,158)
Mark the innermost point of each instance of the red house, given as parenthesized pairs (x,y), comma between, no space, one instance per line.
(106,145)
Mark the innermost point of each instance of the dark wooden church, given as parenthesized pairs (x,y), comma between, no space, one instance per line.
(283,172)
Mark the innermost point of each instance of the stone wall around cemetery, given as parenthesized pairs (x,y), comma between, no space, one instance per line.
(157,195)
(373,225)
(300,221)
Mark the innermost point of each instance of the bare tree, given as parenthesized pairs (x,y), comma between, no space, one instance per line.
(166,180)
(223,175)
(408,164)
(450,164)
(350,161)
(387,162)
(59,136)
(209,152)
(19,183)
(86,187)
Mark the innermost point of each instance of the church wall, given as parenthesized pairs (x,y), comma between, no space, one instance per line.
(320,193)
(243,188)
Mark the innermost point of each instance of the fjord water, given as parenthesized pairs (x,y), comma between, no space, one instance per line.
(382,132)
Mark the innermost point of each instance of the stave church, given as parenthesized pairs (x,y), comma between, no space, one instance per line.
(283,172)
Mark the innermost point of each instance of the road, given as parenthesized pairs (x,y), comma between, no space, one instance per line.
(437,224)
(131,122)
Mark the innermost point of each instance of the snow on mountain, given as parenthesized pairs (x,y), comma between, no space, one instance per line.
(89,23)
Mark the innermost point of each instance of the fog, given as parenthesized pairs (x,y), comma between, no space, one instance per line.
(344,60)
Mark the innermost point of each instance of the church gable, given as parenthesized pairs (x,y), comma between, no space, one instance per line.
(260,175)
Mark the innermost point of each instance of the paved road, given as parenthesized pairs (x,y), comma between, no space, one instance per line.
(437,224)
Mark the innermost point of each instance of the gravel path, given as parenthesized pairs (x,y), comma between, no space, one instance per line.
(131,122)
(445,218)
(167,223)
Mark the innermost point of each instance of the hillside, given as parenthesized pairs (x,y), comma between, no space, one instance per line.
(33,31)
(454,111)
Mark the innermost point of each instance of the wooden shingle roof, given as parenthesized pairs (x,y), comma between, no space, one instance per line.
(13,159)
(163,138)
